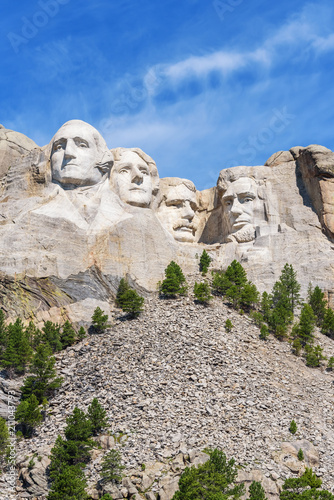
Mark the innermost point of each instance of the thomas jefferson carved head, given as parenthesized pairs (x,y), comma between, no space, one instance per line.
(134,177)
(177,208)
(79,155)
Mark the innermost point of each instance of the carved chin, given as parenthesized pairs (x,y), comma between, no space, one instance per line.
(183,234)
(244,235)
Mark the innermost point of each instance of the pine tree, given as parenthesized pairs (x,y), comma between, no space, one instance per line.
(293,427)
(67,453)
(303,330)
(79,427)
(330,365)
(100,320)
(175,283)
(52,335)
(233,284)
(81,333)
(67,335)
(256,491)
(313,355)
(264,332)
(287,289)
(266,305)
(122,288)
(97,416)
(305,487)
(228,325)
(202,292)
(4,437)
(3,332)
(204,262)
(300,455)
(28,414)
(132,303)
(215,479)
(318,303)
(43,382)
(327,327)
(18,351)
(69,484)
(249,296)
(112,467)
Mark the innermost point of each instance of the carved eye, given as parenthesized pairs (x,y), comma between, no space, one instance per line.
(58,147)
(83,145)
(123,170)
(144,171)
(248,199)
(228,203)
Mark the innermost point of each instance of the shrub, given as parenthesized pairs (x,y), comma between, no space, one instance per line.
(112,467)
(68,335)
(257,317)
(318,303)
(264,332)
(100,320)
(303,330)
(204,262)
(330,365)
(132,303)
(313,356)
(175,283)
(97,416)
(79,427)
(305,487)
(202,292)
(28,415)
(256,491)
(293,427)
(228,325)
(4,437)
(327,327)
(52,335)
(215,479)
(123,287)
(300,454)
(81,333)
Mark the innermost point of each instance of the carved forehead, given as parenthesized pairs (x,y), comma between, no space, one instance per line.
(131,157)
(79,128)
(180,192)
(241,186)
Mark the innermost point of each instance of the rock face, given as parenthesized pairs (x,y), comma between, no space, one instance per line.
(76,217)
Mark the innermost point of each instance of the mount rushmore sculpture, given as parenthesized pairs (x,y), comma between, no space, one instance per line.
(76,217)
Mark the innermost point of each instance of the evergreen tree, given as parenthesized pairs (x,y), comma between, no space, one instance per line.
(287,289)
(264,332)
(4,437)
(67,335)
(43,382)
(266,305)
(81,333)
(204,262)
(256,491)
(68,453)
(293,427)
(100,320)
(300,455)
(330,365)
(97,416)
(305,487)
(33,334)
(123,287)
(28,415)
(249,296)
(303,330)
(132,303)
(327,327)
(175,283)
(228,325)
(69,484)
(18,351)
(3,332)
(79,427)
(233,284)
(318,303)
(52,335)
(202,292)
(213,480)
(106,496)
(112,467)
(313,355)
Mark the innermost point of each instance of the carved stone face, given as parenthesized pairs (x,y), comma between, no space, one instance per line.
(177,212)
(242,208)
(131,180)
(75,154)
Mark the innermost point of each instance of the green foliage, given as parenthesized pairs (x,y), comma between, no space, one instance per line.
(264,332)
(175,283)
(233,284)
(132,303)
(97,416)
(123,287)
(67,453)
(68,335)
(18,352)
(52,335)
(3,331)
(28,415)
(81,333)
(303,330)
(256,491)
(100,320)
(228,325)
(266,305)
(313,355)
(297,347)
(213,480)
(293,427)
(106,497)
(257,317)
(300,455)
(327,327)
(69,484)
(79,427)
(202,292)
(43,382)
(112,467)
(4,437)
(305,487)
(204,262)
(318,303)
(330,365)
(287,289)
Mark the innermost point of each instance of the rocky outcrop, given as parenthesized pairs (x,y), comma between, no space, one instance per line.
(13,145)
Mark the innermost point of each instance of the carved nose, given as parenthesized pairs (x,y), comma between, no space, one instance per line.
(137,176)
(187,212)
(70,150)
(236,207)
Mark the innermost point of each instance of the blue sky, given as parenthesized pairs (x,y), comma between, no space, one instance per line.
(199,85)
